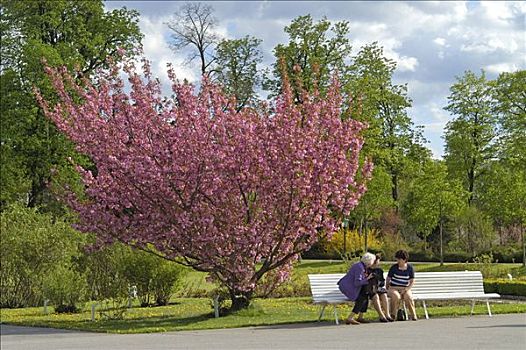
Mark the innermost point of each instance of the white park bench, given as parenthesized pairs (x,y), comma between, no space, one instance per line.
(458,285)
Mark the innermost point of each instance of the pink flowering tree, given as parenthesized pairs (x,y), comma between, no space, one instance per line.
(235,194)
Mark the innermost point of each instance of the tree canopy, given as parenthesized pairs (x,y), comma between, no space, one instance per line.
(194,178)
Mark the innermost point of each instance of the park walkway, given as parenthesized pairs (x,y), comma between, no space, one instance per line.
(466,333)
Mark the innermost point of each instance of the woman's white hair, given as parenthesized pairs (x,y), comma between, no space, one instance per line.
(368,258)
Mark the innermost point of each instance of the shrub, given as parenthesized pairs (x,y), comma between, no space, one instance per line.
(484,263)
(457,257)
(319,251)
(354,242)
(391,243)
(154,276)
(167,278)
(223,298)
(103,269)
(32,245)
(506,254)
(423,256)
(105,280)
(505,287)
(67,309)
(137,268)
(473,232)
(65,288)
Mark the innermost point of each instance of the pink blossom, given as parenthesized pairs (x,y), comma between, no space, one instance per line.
(196,179)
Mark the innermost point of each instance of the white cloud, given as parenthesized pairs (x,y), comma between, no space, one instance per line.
(405,63)
(440,41)
(431,41)
(502,11)
(490,43)
(501,67)
(157,50)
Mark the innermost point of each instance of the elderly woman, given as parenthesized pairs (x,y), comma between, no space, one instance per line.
(400,279)
(354,286)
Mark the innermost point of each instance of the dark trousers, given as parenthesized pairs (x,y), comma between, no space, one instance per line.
(361,304)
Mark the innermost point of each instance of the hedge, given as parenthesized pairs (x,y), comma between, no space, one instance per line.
(505,287)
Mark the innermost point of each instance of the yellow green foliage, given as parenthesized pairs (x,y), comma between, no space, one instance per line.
(353,241)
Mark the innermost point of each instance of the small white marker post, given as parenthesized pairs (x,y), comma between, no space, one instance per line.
(216,306)
(93,311)
(45,306)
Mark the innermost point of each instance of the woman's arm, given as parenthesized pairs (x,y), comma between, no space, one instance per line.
(411,277)
(360,277)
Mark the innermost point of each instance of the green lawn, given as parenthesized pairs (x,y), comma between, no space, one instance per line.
(187,313)
(196,286)
(196,314)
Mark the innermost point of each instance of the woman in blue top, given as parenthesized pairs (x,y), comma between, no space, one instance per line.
(354,286)
(400,279)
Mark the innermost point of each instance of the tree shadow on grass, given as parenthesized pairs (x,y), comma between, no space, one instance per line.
(133,325)
(8,329)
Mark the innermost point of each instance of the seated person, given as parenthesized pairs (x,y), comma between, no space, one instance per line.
(400,279)
(354,286)
(377,291)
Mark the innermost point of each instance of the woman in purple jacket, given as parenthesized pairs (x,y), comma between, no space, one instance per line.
(354,286)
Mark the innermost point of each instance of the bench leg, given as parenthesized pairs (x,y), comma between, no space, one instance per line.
(472,307)
(336,315)
(425,309)
(321,313)
(489,309)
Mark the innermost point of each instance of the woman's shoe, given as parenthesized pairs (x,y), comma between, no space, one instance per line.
(351,321)
(362,320)
(414,319)
(383,319)
(389,319)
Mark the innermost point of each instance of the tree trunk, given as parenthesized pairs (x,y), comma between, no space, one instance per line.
(523,246)
(394,190)
(240,300)
(345,241)
(441,245)
(471,181)
(365,238)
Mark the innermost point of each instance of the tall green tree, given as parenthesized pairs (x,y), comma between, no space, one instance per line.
(470,136)
(236,68)
(318,50)
(473,231)
(375,201)
(504,198)
(391,138)
(509,105)
(315,51)
(432,200)
(77,34)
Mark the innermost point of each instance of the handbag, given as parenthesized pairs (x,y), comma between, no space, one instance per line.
(372,287)
(401,315)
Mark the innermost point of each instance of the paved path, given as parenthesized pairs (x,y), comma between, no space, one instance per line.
(466,333)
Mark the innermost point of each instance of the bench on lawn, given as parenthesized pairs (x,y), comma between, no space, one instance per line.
(459,285)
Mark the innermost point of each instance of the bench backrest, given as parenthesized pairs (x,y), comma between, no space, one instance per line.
(324,287)
(448,282)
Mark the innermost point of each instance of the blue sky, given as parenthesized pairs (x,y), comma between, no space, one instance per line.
(431,41)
